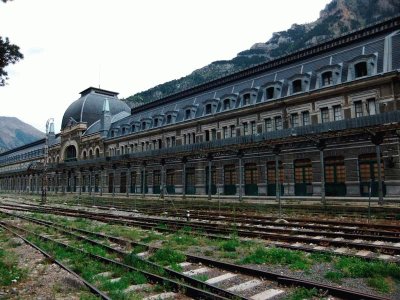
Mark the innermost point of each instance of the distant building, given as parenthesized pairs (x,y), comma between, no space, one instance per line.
(320,121)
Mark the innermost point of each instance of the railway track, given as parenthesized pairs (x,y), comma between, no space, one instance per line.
(382,244)
(242,279)
(111,271)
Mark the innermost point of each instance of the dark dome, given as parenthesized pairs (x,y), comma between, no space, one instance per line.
(88,108)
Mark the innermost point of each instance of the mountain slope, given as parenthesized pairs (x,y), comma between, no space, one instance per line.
(15,133)
(338,17)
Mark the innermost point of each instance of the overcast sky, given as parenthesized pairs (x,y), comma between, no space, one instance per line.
(126,46)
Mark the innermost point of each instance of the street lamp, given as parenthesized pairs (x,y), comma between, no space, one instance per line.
(49,128)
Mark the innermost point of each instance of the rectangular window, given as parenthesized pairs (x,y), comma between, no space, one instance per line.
(227,104)
(253,127)
(295,120)
(187,114)
(324,115)
(245,128)
(278,123)
(208,109)
(371,106)
(207,135)
(268,125)
(306,118)
(225,132)
(358,110)
(337,113)
(233,132)
(214,134)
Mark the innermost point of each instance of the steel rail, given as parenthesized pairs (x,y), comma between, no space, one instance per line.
(187,289)
(153,223)
(91,287)
(279,278)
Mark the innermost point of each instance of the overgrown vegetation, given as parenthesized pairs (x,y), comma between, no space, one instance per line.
(9,271)
(378,274)
(294,259)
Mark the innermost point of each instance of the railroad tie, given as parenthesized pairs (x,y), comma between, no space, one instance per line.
(143,254)
(340,250)
(385,257)
(104,274)
(184,264)
(396,245)
(268,294)
(363,253)
(162,296)
(245,285)
(220,278)
(137,287)
(196,271)
(112,280)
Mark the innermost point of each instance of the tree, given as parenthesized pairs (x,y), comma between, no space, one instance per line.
(9,54)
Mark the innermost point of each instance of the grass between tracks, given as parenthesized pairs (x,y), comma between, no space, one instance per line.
(10,273)
(90,269)
(379,275)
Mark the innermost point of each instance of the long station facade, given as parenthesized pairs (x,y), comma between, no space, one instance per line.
(320,122)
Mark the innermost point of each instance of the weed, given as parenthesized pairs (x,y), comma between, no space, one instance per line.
(379,283)
(201,277)
(230,245)
(302,293)
(167,256)
(321,257)
(176,267)
(295,259)
(151,236)
(334,276)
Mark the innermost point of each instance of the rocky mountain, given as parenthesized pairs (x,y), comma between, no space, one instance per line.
(15,133)
(338,17)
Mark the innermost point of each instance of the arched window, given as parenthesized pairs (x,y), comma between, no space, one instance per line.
(97,152)
(70,153)
(84,154)
(90,153)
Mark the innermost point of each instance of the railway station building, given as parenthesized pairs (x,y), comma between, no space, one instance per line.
(319,122)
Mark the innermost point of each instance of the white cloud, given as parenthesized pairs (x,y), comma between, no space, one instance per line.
(134,44)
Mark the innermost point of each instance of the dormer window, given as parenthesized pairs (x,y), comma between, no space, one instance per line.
(170,117)
(248,96)
(155,122)
(208,108)
(360,69)
(135,127)
(188,114)
(145,123)
(272,90)
(246,99)
(296,86)
(123,130)
(189,111)
(328,75)
(327,78)
(299,83)
(227,104)
(361,66)
(269,92)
